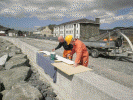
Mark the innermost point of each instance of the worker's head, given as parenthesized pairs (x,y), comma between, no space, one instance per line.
(69,39)
(60,39)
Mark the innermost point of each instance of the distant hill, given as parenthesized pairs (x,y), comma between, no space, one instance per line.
(118,28)
(2,28)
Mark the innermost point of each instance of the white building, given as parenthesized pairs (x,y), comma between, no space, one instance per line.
(36,31)
(78,28)
(2,32)
(12,32)
(68,29)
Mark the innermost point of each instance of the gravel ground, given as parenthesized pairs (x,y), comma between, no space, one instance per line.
(121,65)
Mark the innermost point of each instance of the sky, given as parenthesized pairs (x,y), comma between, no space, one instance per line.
(26,14)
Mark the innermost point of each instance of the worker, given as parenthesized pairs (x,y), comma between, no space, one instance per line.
(67,48)
(82,55)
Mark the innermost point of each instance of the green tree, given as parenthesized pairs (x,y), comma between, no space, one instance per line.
(20,33)
(51,27)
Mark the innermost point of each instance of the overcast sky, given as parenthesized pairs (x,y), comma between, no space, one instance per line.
(25,14)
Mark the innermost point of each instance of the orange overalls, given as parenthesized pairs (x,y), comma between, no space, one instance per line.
(67,49)
(65,54)
(82,55)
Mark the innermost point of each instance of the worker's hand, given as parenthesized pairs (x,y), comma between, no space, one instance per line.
(75,64)
(68,55)
(53,49)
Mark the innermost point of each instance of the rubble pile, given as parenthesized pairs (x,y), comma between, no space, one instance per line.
(18,79)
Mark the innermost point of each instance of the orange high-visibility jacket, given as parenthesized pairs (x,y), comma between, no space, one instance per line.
(80,49)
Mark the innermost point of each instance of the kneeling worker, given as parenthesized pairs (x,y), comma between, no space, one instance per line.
(82,55)
(67,48)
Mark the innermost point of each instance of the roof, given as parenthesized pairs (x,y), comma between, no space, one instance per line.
(49,26)
(14,31)
(41,28)
(84,20)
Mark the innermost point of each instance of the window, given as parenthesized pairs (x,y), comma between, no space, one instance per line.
(77,25)
(61,27)
(56,28)
(77,31)
(66,26)
(70,32)
(61,32)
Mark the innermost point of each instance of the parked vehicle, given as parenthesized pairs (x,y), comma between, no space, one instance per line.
(1,34)
(102,47)
(96,48)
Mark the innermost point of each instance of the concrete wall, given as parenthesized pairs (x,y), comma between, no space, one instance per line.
(83,86)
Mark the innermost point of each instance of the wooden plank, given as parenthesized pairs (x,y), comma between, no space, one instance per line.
(57,61)
(45,55)
(69,69)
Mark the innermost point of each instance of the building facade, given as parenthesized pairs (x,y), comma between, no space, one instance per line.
(46,32)
(2,33)
(82,28)
(12,32)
